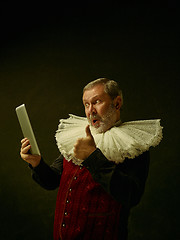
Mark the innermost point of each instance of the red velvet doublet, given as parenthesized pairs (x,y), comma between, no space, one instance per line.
(84,211)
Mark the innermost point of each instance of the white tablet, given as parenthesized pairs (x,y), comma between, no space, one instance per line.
(27,128)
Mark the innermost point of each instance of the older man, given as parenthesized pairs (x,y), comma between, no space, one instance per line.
(102,169)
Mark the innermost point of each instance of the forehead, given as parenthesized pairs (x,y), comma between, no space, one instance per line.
(96,91)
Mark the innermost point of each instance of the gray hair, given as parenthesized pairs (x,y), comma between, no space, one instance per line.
(110,87)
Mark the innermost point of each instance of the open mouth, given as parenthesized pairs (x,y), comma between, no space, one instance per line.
(95,122)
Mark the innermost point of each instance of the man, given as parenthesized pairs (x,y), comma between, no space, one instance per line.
(102,169)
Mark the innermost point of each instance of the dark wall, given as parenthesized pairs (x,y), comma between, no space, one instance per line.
(48,54)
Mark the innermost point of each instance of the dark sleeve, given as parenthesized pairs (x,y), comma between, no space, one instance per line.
(47,176)
(124,181)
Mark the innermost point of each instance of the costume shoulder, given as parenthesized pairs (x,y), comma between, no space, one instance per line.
(127,140)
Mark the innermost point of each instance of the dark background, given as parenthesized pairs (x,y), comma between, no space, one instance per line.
(48,53)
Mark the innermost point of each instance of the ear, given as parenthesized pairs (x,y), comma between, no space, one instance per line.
(118,102)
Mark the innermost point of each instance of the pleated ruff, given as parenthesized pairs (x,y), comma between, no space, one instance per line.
(127,140)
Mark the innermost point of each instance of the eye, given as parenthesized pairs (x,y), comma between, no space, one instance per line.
(97,101)
(86,105)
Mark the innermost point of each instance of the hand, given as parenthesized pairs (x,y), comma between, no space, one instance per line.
(34,160)
(84,146)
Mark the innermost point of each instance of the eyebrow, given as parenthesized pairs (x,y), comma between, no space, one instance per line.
(96,96)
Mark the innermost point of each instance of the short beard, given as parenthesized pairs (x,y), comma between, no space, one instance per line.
(106,121)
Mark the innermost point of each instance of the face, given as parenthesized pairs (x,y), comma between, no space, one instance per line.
(101,111)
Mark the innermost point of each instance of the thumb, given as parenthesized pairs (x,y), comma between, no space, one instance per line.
(88,132)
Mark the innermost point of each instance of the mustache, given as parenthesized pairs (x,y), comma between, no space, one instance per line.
(94,116)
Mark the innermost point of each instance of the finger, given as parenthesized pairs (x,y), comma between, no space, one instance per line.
(88,131)
(25,149)
(78,141)
(74,150)
(23,140)
(25,144)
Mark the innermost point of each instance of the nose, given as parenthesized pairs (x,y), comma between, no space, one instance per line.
(91,109)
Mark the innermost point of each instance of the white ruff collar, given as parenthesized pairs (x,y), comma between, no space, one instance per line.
(127,140)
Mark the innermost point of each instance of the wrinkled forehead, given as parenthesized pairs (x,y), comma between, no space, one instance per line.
(96,91)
